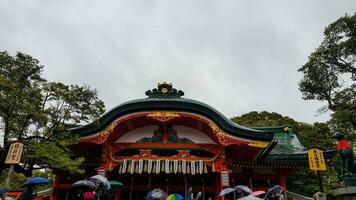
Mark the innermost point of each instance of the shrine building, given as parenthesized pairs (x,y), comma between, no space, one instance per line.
(169,142)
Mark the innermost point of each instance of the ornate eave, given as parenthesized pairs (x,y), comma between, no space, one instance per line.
(166,98)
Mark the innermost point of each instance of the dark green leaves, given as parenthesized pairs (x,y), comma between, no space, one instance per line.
(36,111)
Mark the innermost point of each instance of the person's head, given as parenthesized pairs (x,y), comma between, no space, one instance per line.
(31,187)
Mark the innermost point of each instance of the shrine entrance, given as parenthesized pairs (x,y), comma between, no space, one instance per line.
(138,185)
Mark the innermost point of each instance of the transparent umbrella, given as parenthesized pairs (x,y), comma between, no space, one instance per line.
(156,194)
(226,191)
(97,179)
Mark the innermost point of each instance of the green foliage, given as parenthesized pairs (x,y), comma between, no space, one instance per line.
(36,111)
(264,118)
(311,135)
(330,74)
(52,155)
(18,180)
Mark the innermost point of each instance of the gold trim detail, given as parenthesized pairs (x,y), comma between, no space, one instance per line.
(216,129)
(103,135)
(260,144)
(163,116)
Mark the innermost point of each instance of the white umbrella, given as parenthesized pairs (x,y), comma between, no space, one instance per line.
(226,191)
(156,194)
(101,179)
(243,189)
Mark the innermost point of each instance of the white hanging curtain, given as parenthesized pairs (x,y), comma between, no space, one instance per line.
(140,166)
(132,170)
(149,167)
(184,167)
(167,166)
(124,166)
(192,167)
(158,166)
(175,166)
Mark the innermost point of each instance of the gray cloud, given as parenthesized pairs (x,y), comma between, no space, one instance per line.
(237,56)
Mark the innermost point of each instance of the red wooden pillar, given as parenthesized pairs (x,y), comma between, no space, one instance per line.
(56,184)
(282,181)
(218,186)
(118,194)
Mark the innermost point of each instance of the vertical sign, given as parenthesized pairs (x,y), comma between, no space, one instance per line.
(14,153)
(225,179)
(316,159)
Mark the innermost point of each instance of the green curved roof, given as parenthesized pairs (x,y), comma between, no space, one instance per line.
(178,104)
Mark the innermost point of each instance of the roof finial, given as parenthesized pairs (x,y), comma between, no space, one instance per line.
(164,90)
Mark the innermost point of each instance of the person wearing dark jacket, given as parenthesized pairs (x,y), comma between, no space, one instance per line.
(28,194)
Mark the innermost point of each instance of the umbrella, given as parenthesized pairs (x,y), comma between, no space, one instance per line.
(188,195)
(156,194)
(84,183)
(115,183)
(36,181)
(97,179)
(226,191)
(250,197)
(277,189)
(258,193)
(198,197)
(242,188)
(175,197)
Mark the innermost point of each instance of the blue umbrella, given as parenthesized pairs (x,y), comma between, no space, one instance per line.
(226,191)
(36,181)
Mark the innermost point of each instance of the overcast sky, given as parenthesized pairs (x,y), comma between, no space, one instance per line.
(237,56)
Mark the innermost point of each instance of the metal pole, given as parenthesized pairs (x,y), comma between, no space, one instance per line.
(185,186)
(132,180)
(149,184)
(203,184)
(8,178)
(167,185)
(233,186)
(320,180)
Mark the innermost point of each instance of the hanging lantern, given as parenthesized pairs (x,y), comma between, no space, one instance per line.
(184,167)
(132,169)
(124,166)
(188,168)
(145,166)
(192,166)
(175,166)
(158,166)
(205,168)
(167,166)
(120,167)
(225,178)
(149,166)
(140,166)
(179,166)
(201,166)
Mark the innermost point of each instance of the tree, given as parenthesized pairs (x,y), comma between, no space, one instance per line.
(36,112)
(330,74)
(310,135)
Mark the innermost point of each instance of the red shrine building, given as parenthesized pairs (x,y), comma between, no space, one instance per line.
(169,142)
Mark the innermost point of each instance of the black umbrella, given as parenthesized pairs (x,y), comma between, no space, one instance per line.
(84,183)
